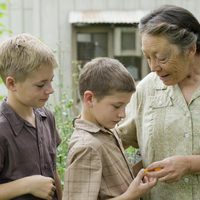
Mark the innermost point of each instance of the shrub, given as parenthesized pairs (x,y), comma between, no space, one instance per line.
(63,117)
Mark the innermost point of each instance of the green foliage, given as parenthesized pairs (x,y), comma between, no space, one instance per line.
(63,116)
(3,13)
(133,155)
(3,29)
(3,9)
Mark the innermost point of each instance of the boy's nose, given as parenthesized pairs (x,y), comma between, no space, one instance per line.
(49,89)
(122,113)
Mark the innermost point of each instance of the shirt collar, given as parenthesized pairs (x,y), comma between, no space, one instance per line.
(89,126)
(159,85)
(15,121)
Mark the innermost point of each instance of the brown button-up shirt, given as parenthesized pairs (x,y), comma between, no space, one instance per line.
(25,150)
(96,166)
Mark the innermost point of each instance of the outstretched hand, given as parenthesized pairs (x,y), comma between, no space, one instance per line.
(141,185)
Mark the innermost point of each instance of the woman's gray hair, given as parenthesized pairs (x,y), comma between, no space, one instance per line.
(176,23)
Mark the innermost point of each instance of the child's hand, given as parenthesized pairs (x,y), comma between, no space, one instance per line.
(41,186)
(140,185)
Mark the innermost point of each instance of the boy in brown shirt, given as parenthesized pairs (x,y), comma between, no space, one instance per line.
(28,136)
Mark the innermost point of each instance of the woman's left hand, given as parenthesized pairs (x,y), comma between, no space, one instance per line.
(170,169)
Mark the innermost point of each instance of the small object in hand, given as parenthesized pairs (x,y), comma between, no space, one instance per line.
(152,170)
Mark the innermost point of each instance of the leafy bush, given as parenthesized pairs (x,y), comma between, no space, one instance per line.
(133,155)
(63,117)
(3,13)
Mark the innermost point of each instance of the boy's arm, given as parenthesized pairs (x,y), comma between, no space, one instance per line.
(58,186)
(13,189)
(83,174)
(39,186)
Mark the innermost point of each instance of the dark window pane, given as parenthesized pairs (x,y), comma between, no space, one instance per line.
(133,64)
(128,41)
(90,45)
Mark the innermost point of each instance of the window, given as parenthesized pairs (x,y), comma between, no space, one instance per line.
(133,65)
(126,42)
(91,45)
(117,41)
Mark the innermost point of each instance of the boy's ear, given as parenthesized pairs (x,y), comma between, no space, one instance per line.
(10,83)
(88,97)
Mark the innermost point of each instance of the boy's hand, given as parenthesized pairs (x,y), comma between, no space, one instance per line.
(41,186)
(140,185)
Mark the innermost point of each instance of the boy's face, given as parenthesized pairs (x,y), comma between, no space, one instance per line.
(108,111)
(35,90)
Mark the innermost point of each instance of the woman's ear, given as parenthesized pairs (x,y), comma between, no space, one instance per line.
(10,83)
(192,50)
(88,97)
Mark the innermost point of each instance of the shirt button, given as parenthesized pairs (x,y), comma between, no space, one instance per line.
(186,180)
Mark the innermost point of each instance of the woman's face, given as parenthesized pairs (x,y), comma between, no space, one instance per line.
(166,59)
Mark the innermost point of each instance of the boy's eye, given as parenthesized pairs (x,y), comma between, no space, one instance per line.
(40,85)
(116,106)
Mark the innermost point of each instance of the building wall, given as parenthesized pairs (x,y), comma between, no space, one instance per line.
(48,20)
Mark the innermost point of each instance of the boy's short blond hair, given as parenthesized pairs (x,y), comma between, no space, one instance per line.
(22,54)
(103,76)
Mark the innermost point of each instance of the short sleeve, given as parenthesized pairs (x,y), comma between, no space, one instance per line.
(2,152)
(1,156)
(83,174)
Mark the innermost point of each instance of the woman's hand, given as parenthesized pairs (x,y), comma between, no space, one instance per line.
(171,169)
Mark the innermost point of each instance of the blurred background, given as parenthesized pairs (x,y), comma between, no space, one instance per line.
(77,31)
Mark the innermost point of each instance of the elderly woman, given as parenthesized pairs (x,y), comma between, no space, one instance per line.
(165,116)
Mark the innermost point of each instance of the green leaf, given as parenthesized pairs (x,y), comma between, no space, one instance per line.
(2,25)
(2,14)
(3,6)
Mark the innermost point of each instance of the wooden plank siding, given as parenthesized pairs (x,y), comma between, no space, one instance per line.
(48,20)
